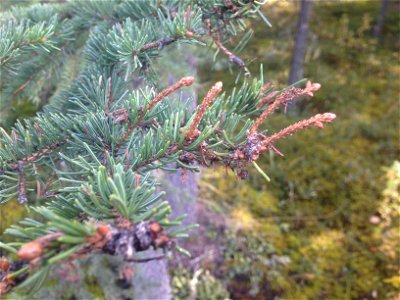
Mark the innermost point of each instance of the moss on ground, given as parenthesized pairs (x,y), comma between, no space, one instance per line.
(320,208)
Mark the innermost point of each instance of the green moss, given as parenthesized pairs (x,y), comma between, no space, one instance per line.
(20,109)
(11,213)
(199,285)
(93,287)
(317,208)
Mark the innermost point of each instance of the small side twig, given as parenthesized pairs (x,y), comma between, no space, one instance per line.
(317,121)
(257,144)
(125,135)
(162,42)
(34,249)
(233,58)
(108,99)
(34,156)
(283,99)
(158,44)
(144,260)
(123,115)
(24,85)
(185,81)
(208,100)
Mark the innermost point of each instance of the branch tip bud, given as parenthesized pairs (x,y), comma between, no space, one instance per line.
(30,251)
(187,81)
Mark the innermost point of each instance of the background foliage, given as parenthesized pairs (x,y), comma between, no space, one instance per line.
(321,215)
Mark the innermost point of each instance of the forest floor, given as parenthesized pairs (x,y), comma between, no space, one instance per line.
(326,225)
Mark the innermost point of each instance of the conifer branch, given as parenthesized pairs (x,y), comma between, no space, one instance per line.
(256,144)
(161,43)
(283,99)
(231,56)
(36,155)
(185,81)
(127,133)
(317,121)
(24,85)
(122,241)
(193,131)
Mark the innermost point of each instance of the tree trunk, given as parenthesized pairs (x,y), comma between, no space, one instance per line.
(296,69)
(377,31)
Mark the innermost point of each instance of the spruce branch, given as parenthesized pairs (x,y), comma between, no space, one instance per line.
(231,56)
(193,131)
(317,121)
(106,239)
(127,133)
(161,43)
(19,37)
(32,157)
(24,85)
(283,99)
(185,81)
(256,144)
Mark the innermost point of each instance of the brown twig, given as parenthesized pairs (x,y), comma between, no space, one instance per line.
(34,156)
(162,42)
(231,56)
(108,99)
(283,99)
(120,115)
(144,260)
(125,135)
(24,85)
(185,81)
(257,144)
(318,121)
(158,44)
(208,100)
(265,87)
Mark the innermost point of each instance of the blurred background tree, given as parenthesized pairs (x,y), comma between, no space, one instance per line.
(377,30)
(296,68)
